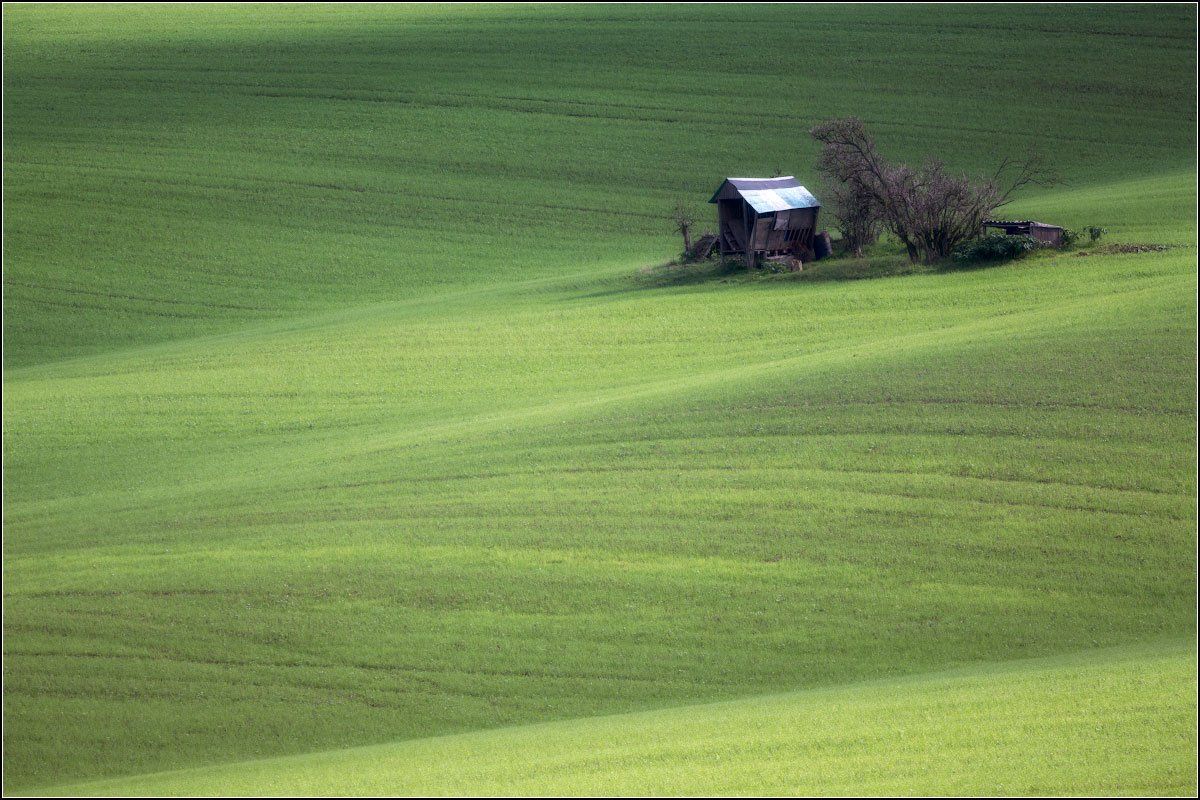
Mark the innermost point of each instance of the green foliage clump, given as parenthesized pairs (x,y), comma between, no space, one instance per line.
(995,247)
(1095,233)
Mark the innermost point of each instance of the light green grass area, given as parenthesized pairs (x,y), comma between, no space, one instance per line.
(1113,723)
(339,408)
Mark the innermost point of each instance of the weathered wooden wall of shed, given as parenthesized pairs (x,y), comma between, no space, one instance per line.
(753,232)
(798,231)
(731,215)
(803,218)
(1050,236)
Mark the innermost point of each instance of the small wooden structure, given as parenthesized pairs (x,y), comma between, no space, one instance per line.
(1050,235)
(765,217)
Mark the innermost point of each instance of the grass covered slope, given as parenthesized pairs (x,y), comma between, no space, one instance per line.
(1111,723)
(177,171)
(585,503)
(445,484)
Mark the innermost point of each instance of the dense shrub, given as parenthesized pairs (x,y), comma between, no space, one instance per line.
(928,209)
(1069,238)
(995,247)
(1094,233)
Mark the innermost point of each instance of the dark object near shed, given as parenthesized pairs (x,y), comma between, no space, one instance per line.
(1050,235)
(704,247)
(765,217)
(822,245)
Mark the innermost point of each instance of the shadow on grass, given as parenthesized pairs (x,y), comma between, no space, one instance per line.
(836,268)
(882,262)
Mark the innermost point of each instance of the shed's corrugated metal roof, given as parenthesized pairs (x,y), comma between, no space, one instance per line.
(781,182)
(771,194)
(766,200)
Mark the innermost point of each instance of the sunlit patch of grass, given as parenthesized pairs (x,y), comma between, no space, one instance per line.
(1062,726)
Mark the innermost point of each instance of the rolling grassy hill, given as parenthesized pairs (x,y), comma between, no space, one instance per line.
(1115,722)
(337,411)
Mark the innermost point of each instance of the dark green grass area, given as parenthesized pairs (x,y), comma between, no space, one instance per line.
(883,262)
(171,173)
(341,407)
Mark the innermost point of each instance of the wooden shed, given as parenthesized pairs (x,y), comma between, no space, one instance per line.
(1050,235)
(765,216)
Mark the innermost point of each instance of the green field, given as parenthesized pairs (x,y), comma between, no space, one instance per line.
(356,440)
(1108,723)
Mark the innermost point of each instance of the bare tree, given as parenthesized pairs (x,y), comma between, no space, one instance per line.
(857,217)
(929,210)
(683,220)
(855,174)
